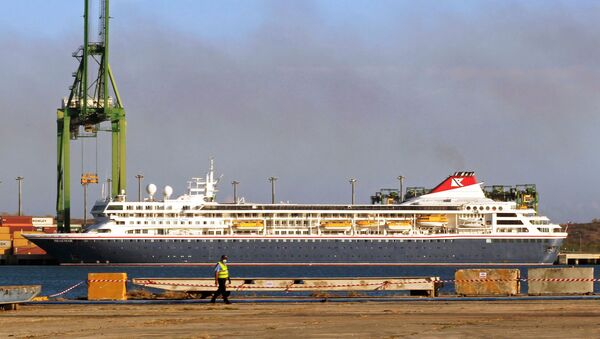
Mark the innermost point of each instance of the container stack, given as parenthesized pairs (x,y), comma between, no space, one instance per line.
(12,229)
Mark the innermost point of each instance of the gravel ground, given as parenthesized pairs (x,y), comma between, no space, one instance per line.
(457,319)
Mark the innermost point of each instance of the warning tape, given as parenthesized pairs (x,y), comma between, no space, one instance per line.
(288,287)
(67,290)
(108,280)
(380,286)
(522,280)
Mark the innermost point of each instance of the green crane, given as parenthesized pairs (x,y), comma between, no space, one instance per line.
(89,104)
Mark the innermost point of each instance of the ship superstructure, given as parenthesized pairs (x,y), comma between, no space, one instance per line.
(453,224)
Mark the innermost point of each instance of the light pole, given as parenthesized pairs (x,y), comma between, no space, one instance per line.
(20,181)
(139,178)
(108,182)
(235,183)
(353,183)
(401,179)
(272,180)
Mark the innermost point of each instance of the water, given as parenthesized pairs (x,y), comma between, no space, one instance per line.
(55,279)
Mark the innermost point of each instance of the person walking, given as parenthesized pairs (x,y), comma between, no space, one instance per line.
(221,278)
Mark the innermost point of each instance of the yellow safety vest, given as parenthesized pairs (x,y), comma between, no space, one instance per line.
(224,272)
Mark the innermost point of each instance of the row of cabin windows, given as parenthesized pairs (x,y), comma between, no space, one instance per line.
(274,240)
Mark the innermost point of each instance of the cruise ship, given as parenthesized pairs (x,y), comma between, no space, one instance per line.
(454,224)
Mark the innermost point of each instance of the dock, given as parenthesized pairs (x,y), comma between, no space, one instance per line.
(579,258)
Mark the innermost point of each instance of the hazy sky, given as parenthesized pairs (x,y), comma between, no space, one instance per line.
(316,92)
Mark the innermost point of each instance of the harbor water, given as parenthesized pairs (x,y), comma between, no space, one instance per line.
(55,279)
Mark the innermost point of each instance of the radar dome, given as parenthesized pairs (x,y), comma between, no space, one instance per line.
(151,189)
(168,191)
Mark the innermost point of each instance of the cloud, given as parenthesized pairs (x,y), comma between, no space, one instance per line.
(508,89)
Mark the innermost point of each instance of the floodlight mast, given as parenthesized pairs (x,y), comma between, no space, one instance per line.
(88,107)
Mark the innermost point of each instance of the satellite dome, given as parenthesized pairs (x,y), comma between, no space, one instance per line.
(151,189)
(168,191)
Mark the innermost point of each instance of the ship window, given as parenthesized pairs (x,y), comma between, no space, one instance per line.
(509,222)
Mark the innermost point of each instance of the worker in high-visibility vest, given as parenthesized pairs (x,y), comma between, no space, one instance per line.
(221,278)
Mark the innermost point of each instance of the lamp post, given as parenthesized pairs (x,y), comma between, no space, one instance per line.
(272,180)
(20,181)
(353,183)
(108,182)
(139,178)
(235,183)
(401,179)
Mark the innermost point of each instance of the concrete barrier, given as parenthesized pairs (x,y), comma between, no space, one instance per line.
(576,280)
(107,286)
(489,282)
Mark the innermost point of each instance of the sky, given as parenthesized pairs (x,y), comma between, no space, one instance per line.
(314,93)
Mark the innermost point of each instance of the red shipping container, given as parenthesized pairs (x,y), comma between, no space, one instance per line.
(16,220)
(49,229)
(28,250)
(14,228)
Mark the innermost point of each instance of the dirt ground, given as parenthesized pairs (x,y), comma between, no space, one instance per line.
(457,319)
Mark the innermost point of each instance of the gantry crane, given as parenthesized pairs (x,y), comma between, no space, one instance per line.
(89,104)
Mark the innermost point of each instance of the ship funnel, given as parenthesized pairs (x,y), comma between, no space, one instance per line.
(151,189)
(168,191)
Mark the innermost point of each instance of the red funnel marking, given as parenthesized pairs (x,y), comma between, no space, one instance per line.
(457,180)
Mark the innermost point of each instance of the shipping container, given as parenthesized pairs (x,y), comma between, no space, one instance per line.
(4,251)
(4,230)
(42,221)
(5,244)
(17,232)
(49,229)
(14,229)
(16,220)
(28,250)
(5,236)
(21,243)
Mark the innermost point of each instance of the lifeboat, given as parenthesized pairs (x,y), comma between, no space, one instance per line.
(433,220)
(470,222)
(399,225)
(249,225)
(337,225)
(368,223)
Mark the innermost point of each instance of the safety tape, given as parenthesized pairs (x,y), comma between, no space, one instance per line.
(108,280)
(289,287)
(286,287)
(67,290)
(380,286)
(522,280)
